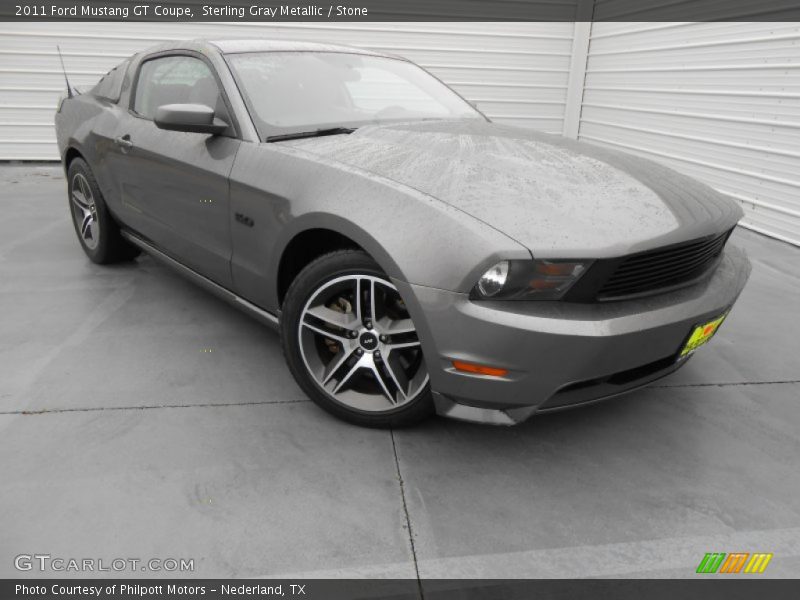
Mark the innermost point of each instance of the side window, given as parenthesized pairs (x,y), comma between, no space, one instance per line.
(110,85)
(175,80)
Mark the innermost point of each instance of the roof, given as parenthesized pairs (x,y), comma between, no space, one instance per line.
(235,46)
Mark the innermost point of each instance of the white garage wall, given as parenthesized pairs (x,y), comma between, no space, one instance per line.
(516,72)
(718,101)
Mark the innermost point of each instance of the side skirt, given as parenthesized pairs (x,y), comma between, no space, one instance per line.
(225,294)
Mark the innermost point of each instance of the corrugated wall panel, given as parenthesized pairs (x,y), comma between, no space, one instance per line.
(718,101)
(516,72)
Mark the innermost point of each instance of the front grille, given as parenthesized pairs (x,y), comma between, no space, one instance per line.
(663,268)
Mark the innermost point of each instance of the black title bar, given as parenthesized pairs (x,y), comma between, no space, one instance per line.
(402,10)
(699,588)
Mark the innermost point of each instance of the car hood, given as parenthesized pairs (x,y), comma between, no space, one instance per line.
(557,197)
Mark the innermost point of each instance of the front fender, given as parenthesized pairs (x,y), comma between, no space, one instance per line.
(340,225)
(413,236)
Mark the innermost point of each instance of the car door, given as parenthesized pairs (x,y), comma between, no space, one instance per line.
(173,186)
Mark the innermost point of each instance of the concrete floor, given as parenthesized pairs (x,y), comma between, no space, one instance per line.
(121,437)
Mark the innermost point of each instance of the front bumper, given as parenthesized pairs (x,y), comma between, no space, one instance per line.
(559,354)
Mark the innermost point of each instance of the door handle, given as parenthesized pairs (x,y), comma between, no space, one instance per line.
(124,142)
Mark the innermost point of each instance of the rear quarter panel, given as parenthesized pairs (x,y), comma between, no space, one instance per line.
(89,125)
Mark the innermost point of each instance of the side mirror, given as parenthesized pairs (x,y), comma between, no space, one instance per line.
(194,118)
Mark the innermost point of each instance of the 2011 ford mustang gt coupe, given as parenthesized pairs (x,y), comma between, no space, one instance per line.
(415,256)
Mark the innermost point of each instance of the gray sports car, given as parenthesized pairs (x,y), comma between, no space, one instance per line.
(416,257)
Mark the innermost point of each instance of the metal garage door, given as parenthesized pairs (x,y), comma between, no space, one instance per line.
(516,72)
(719,101)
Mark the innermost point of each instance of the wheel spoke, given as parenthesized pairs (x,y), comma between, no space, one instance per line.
(79,200)
(360,363)
(396,326)
(331,318)
(373,308)
(87,193)
(379,378)
(403,345)
(86,230)
(335,364)
(397,374)
(401,335)
(359,301)
(324,332)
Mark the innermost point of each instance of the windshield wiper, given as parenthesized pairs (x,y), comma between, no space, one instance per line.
(309,134)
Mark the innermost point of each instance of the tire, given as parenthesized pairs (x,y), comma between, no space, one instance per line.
(360,360)
(96,229)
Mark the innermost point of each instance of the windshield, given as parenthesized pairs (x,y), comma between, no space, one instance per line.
(288,92)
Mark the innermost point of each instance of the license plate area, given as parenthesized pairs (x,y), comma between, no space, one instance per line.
(701,334)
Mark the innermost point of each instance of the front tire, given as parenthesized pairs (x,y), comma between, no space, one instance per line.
(351,345)
(96,229)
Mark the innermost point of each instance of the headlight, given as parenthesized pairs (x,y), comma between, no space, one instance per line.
(529,279)
(493,281)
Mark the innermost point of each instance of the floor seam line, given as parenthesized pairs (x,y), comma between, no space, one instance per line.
(407,515)
(149,407)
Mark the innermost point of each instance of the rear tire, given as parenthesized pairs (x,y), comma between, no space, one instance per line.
(351,345)
(96,229)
